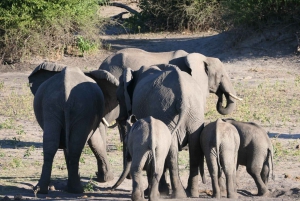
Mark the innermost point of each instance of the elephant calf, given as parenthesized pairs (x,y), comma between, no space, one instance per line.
(255,152)
(148,143)
(220,143)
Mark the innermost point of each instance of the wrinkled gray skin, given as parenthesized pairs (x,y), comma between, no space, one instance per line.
(69,106)
(220,143)
(192,63)
(255,152)
(176,99)
(148,143)
(197,65)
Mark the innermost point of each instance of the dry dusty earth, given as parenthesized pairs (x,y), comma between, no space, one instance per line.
(263,58)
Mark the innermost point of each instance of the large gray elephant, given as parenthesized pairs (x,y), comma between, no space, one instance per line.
(220,142)
(176,99)
(255,152)
(192,63)
(148,143)
(68,106)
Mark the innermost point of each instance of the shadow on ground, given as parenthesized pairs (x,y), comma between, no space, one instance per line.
(271,44)
(284,135)
(9,144)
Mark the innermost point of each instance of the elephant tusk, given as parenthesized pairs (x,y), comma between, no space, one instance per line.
(235,97)
(105,122)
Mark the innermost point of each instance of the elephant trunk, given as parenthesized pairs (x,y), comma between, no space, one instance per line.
(123,175)
(227,89)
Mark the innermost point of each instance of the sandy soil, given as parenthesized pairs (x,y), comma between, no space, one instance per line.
(249,62)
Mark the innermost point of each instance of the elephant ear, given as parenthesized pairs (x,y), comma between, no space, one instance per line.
(128,79)
(198,66)
(42,73)
(108,84)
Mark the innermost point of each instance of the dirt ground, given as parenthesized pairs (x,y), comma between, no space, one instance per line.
(268,57)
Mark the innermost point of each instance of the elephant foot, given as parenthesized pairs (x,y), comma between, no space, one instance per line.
(39,189)
(264,193)
(104,177)
(217,196)
(137,198)
(74,186)
(224,193)
(78,189)
(194,193)
(179,194)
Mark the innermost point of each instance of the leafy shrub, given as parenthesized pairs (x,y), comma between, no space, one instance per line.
(260,12)
(201,15)
(180,14)
(45,28)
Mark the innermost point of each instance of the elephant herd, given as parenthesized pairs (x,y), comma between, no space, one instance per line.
(158,102)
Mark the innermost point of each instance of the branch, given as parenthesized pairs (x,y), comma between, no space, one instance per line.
(119,16)
(125,7)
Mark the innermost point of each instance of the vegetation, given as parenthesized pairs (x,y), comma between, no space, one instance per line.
(201,15)
(46,28)
(53,28)
(280,96)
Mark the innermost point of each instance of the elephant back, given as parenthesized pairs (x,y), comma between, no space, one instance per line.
(42,73)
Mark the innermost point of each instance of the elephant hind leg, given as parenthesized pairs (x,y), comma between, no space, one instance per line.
(213,169)
(51,138)
(229,168)
(97,143)
(256,175)
(138,162)
(265,173)
(78,137)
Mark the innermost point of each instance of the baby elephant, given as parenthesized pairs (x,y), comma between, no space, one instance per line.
(148,143)
(255,152)
(220,143)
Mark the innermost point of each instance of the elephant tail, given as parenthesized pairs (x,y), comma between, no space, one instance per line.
(152,148)
(67,127)
(217,145)
(201,168)
(270,158)
(124,173)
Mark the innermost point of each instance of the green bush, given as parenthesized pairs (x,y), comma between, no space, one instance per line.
(259,13)
(201,15)
(45,28)
(180,14)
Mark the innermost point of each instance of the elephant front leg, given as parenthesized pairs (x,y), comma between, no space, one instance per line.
(195,157)
(97,143)
(172,160)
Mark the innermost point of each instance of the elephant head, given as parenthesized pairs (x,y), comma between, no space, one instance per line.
(105,80)
(217,79)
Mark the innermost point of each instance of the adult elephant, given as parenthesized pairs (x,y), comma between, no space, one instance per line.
(175,98)
(69,106)
(191,63)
